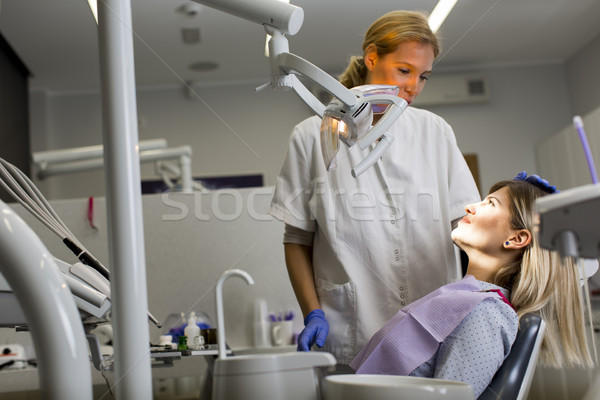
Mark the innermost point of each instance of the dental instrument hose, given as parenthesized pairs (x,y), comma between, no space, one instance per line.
(86,258)
(578,123)
(22,189)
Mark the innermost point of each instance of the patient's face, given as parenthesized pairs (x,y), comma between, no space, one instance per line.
(486,226)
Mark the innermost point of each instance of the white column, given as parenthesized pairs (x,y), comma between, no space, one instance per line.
(133,378)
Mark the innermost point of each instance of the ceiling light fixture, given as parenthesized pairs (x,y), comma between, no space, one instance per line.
(94,7)
(439,13)
(203,66)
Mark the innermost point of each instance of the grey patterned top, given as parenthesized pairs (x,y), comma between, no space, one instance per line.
(475,350)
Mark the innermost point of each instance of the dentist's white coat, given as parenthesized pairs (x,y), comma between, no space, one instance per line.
(381,240)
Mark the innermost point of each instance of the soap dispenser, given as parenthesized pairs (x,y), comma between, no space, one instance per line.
(192,331)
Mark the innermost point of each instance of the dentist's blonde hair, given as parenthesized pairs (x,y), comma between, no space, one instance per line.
(544,283)
(386,33)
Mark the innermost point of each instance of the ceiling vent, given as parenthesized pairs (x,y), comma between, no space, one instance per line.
(190,35)
(454,89)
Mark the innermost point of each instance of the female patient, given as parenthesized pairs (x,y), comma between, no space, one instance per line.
(464,330)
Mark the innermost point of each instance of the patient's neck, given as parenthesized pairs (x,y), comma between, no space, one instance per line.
(483,266)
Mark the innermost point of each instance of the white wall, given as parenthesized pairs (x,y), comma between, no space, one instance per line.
(528,104)
(561,158)
(582,76)
(234,130)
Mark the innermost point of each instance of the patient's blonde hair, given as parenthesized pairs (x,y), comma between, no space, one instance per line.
(386,33)
(541,282)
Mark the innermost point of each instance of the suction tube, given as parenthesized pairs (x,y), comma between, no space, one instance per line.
(578,123)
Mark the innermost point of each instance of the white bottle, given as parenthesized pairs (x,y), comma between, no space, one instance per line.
(261,324)
(192,331)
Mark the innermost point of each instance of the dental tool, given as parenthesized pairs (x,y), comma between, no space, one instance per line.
(20,187)
(23,190)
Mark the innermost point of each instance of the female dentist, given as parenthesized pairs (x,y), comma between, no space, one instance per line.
(358,249)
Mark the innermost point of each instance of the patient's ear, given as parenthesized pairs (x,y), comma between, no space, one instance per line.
(518,239)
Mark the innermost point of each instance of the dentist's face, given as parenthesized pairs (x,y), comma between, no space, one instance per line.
(486,226)
(408,68)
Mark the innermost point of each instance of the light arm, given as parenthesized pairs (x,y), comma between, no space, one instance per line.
(287,18)
(280,19)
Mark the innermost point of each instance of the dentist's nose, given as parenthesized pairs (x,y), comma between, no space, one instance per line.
(411,86)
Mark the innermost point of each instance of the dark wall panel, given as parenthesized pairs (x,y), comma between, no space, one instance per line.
(14,111)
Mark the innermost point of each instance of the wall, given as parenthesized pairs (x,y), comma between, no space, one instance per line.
(582,75)
(14,110)
(234,130)
(231,128)
(528,104)
(561,157)
(190,240)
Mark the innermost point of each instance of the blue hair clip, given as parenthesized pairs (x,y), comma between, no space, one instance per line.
(537,181)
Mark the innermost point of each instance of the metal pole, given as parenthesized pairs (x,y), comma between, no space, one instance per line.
(133,377)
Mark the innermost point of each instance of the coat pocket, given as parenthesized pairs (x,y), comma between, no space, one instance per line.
(338,301)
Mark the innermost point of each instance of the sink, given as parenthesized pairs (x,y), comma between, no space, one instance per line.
(264,350)
(387,387)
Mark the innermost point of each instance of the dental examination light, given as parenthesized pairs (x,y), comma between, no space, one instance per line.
(43,158)
(351,107)
(65,161)
(89,270)
(350,125)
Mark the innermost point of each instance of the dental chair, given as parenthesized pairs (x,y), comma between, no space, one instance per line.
(513,379)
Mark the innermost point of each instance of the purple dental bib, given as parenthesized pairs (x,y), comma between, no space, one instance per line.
(413,334)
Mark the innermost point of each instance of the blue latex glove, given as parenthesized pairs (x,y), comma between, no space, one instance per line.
(316,329)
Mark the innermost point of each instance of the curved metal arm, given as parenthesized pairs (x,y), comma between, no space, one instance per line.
(219,298)
(373,156)
(51,314)
(291,63)
(285,64)
(398,105)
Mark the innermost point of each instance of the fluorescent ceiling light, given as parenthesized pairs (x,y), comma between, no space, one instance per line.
(94,7)
(439,13)
(269,36)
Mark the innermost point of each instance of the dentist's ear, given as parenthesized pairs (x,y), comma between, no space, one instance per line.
(370,57)
(518,240)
